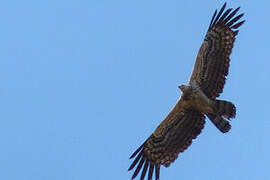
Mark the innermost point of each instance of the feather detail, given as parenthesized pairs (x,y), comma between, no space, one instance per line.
(213,60)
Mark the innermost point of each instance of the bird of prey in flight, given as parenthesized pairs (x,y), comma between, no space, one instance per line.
(198,101)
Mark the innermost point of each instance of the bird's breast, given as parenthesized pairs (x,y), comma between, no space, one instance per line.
(199,102)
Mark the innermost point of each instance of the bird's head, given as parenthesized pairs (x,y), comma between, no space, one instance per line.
(183,88)
(187,91)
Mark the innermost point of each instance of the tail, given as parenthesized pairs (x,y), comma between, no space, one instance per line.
(225,111)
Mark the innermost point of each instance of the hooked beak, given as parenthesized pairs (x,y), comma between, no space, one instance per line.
(181,88)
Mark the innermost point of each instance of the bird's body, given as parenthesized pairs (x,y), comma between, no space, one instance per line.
(198,101)
(193,97)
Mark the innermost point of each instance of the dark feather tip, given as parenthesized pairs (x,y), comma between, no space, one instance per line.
(227,18)
(135,161)
(136,152)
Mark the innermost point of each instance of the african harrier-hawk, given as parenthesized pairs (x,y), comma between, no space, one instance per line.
(186,121)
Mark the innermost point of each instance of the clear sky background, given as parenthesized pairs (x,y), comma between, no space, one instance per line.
(84,83)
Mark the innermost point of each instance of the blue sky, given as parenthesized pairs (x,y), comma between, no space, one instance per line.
(84,83)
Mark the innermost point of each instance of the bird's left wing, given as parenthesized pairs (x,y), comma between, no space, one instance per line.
(171,137)
(213,60)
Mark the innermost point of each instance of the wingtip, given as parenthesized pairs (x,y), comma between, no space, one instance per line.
(157,171)
(130,168)
(213,17)
(226,17)
(139,166)
(217,17)
(135,161)
(137,151)
(132,156)
(224,5)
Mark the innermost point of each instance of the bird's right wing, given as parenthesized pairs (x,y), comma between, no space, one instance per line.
(213,60)
(171,137)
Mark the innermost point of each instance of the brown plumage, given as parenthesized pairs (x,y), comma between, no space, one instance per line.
(186,121)
(213,60)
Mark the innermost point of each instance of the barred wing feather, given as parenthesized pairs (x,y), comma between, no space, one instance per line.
(213,60)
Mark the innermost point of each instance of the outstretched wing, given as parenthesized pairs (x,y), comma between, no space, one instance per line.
(213,60)
(171,137)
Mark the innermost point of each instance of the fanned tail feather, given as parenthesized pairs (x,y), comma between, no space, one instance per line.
(225,111)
